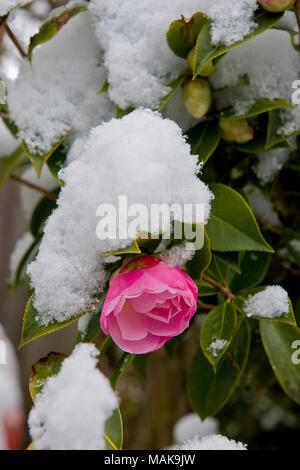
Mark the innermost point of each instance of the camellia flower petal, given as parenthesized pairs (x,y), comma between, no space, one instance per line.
(148,303)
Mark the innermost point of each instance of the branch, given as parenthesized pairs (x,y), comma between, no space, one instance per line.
(13,38)
(47,194)
(269,227)
(205,306)
(224,290)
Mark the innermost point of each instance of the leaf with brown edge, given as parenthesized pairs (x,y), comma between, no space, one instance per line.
(49,29)
(43,369)
(182,34)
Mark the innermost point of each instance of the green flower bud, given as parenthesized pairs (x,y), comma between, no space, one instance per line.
(206,70)
(238,131)
(276,5)
(196,95)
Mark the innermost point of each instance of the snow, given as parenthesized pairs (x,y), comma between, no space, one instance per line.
(7,142)
(120,158)
(213,442)
(217,346)
(270,163)
(71,410)
(262,207)
(191,425)
(7,5)
(21,246)
(58,93)
(272,302)
(272,65)
(139,61)
(178,255)
(295,244)
(31,197)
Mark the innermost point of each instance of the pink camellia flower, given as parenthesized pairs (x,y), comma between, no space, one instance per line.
(148,303)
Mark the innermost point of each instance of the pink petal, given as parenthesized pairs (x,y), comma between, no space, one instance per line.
(132,324)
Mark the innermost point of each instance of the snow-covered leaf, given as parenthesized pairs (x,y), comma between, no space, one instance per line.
(217,331)
(53,26)
(207,52)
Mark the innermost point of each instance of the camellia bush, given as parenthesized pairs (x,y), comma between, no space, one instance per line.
(123,109)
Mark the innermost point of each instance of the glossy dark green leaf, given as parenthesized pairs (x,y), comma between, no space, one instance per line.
(217,332)
(56,162)
(27,257)
(254,266)
(124,362)
(204,138)
(282,345)
(40,214)
(209,391)
(231,258)
(200,261)
(232,225)
(205,289)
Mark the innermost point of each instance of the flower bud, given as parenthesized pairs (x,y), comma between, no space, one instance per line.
(206,70)
(276,5)
(238,131)
(196,95)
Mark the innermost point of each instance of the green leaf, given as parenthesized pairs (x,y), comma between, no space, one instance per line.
(261,105)
(218,270)
(232,225)
(10,163)
(209,391)
(42,370)
(254,266)
(200,261)
(204,138)
(205,289)
(281,342)
(275,122)
(182,34)
(218,326)
(37,159)
(175,85)
(49,29)
(284,318)
(93,327)
(230,258)
(113,433)
(32,329)
(25,260)
(207,52)
(124,362)
(40,214)
(122,112)
(104,88)
(56,162)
